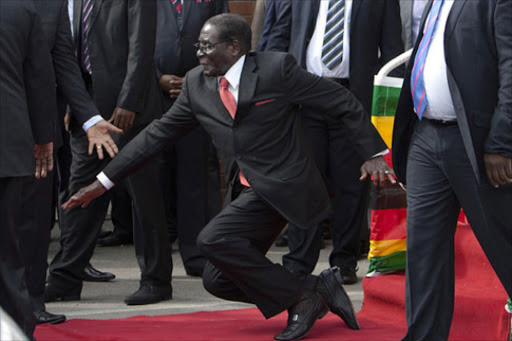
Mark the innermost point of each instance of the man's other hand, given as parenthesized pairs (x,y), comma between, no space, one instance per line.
(85,195)
(171,85)
(43,154)
(377,168)
(122,118)
(498,169)
(99,139)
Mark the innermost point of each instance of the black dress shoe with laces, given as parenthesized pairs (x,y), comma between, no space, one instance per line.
(52,293)
(302,316)
(44,317)
(330,288)
(149,293)
(94,275)
(348,275)
(115,239)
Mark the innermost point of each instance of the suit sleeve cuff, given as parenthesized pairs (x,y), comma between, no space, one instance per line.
(382,153)
(92,121)
(105,181)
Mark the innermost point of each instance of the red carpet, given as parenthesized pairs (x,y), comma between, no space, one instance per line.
(479,313)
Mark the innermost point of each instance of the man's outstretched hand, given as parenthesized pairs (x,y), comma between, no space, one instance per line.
(378,168)
(99,139)
(85,195)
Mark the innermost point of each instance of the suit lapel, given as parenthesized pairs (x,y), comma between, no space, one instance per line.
(453,18)
(77,19)
(356,5)
(187,4)
(247,86)
(94,13)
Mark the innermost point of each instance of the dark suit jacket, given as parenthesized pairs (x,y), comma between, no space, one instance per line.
(375,25)
(27,88)
(70,85)
(174,50)
(478,52)
(121,42)
(264,139)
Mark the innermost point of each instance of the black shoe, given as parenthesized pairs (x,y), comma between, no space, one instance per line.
(330,288)
(104,233)
(52,294)
(282,241)
(94,275)
(44,317)
(149,293)
(115,240)
(348,275)
(302,316)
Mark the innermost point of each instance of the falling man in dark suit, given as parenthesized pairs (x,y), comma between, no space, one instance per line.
(246,102)
(453,126)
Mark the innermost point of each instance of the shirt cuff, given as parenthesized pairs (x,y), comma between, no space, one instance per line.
(105,181)
(382,153)
(92,121)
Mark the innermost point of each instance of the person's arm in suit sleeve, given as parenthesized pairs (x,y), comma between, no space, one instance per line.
(161,133)
(41,96)
(279,36)
(498,146)
(304,88)
(391,43)
(141,35)
(71,85)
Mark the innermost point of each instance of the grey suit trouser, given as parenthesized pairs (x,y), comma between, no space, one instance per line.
(440,181)
(235,243)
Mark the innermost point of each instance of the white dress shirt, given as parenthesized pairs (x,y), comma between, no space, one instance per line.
(314,62)
(440,103)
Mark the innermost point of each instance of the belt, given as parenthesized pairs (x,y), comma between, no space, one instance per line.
(343,81)
(443,123)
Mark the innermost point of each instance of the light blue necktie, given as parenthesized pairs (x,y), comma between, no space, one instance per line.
(417,81)
(332,49)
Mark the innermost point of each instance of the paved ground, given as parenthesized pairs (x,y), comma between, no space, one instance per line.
(105,300)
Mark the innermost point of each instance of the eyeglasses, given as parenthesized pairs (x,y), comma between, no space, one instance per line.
(208,48)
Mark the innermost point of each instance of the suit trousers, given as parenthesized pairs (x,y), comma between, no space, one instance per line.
(80,226)
(34,233)
(235,243)
(440,181)
(14,296)
(339,163)
(191,175)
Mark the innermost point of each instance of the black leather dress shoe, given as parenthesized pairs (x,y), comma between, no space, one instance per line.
(330,288)
(44,317)
(302,316)
(115,239)
(149,293)
(348,275)
(94,275)
(52,293)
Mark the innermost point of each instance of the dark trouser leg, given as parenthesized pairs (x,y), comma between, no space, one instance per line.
(197,194)
(79,226)
(350,201)
(34,234)
(14,296)
(432,215)
(235,243)
(121,213)
(148,204)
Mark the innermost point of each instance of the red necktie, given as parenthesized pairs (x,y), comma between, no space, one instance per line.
(229,102)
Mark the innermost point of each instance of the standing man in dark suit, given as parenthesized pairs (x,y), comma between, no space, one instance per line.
(246,102)
(194,168)
(27,121)
(452,147)
(347,41)
(115,44)
(38,194)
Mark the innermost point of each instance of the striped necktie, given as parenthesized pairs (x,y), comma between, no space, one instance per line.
(417,81)
(229,102)
(177,5)
(87,6)
(332,49)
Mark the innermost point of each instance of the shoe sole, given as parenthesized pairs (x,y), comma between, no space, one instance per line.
(350,321)
(160,299)
(62,298)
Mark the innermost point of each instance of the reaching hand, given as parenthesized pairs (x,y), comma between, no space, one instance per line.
(43,153)
(85,195)
(99,138)
(378,168)
(171,84)
(122,118)
(498,169)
